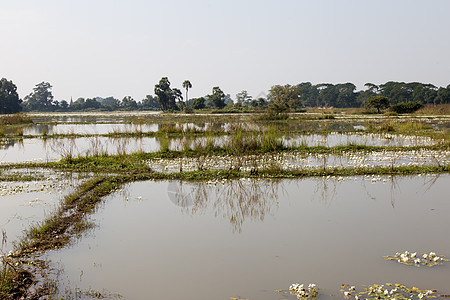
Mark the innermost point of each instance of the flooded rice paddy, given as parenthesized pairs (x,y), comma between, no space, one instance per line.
(28,202)
(51,149)
(248,238)
(231,239)
(296,160)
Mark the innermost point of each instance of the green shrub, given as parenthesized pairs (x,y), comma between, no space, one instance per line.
(406,107)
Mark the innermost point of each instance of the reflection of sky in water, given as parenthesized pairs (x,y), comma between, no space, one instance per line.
(88,128)
(26,203)
(247,239)
(20,150)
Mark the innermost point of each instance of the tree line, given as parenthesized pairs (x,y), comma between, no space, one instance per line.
(280,97)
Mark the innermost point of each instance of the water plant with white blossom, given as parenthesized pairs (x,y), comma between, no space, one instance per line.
(414,259)
(303,292)
(387,291)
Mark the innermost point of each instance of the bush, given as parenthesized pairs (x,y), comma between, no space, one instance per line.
(188,110)
(406,107)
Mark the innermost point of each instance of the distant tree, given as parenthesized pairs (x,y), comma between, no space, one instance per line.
(64,105)
(91,103)
(443,95)
(166,96)
(128,103)
(346,96)
(41,99)
(282,98)
(199,103)
(178,96)
(378,102)
(243,98)
(150,103)
(372,88)
(308,94)
(217,97)
(327,94)
(9,99)
(187,85)
(113,103)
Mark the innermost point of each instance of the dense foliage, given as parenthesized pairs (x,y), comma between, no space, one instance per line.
(406,107)
(9,99)
(280,98)
(345,95)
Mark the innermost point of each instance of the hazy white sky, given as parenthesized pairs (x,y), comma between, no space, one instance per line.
(89,48)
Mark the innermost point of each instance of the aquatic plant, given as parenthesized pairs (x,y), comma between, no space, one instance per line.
(424,259)
(387,291)
(301,292)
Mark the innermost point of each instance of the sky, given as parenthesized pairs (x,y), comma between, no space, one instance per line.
(102,48)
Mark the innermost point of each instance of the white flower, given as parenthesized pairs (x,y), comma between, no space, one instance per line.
(413,255)
(417,261)
(346,294)
(356,297)
(432,254)
(352,288)
(421,296)
(425,256)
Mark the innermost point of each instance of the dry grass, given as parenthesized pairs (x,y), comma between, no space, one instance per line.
(431,109)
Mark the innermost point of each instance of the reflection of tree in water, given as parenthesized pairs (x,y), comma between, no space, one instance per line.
(236,200)
(428,184)
(395,189)
(326,190)
(7,143)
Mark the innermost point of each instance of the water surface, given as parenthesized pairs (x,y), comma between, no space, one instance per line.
(216,240)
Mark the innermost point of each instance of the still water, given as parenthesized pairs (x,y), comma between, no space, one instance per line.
(26,203)
(47,149)
(216,240)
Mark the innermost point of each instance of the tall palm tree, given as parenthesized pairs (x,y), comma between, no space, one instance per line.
(187,85)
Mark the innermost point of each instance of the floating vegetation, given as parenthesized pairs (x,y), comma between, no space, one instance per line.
(301,292)
(413,259)
(391,291)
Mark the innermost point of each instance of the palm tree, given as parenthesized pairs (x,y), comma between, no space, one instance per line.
(187,85)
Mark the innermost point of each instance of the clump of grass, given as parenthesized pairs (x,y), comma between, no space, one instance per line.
(19,131)
(410,127)
(387,126)
(44,130)
(15,119)
(326,117)
(164,143)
